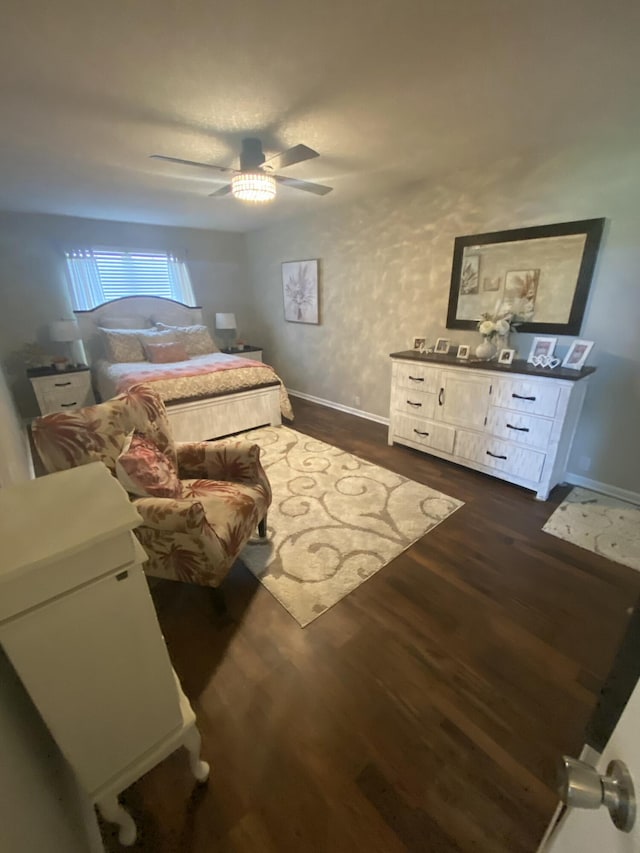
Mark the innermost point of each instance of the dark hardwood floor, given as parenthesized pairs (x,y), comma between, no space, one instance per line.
(424,712)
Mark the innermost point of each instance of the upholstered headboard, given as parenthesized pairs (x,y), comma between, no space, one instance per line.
(132,312)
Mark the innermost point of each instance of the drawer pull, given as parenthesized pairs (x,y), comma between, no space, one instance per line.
(61,384)
(67,405)
(520,429)
(441,396)
(495,455)
(417,405)
(520,397)
(417,432)
(417,378)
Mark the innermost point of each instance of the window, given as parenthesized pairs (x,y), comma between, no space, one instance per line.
(99,275)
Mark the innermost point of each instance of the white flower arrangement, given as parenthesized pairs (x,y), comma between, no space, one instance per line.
(492,325)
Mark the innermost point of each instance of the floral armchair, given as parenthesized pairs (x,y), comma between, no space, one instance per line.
(225,491)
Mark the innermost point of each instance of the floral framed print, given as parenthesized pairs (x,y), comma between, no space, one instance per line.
(300,291)
(577,354)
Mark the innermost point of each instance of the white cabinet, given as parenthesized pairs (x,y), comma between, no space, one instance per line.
(507,422)
(79,627)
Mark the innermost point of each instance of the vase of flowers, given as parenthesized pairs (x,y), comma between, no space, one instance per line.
(495,330)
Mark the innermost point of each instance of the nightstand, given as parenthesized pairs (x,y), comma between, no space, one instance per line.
(248,351)
(61,390)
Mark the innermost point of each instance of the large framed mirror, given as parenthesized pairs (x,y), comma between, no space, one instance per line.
(541,275)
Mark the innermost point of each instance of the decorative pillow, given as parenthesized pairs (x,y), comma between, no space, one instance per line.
(145,471)
(157,336)
(122,345)
(166,352)
(196,339)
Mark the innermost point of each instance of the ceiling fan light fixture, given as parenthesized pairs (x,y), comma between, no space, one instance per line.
(253,186)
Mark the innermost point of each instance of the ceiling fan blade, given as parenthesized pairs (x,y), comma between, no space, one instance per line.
(317,189)
(221,192)
(297,154)
(190,163)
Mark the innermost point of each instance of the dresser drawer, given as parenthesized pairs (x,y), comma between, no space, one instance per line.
(514,426)
(417,377)
(502,455)
(428,433)
(414,403)
(67,398)
(58,383)
(521,395)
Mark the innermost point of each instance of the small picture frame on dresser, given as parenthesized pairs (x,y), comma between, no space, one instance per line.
(463,352)
(506,356)
(577,354)
(442,346)
(419,344)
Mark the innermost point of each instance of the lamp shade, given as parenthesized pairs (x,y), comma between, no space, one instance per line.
(226,321)
(253,186)
(64,330)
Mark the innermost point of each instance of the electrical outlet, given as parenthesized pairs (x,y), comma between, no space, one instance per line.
(356,400)
(585,463)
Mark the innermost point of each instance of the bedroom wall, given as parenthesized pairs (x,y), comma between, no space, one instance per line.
(33,284)
(385,269)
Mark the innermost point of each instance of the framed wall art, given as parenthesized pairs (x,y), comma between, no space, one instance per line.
(300,291)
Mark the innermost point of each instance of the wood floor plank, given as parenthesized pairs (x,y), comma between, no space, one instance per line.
(422,713)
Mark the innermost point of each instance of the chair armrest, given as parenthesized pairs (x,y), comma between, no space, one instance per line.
(171,514)
(237,461)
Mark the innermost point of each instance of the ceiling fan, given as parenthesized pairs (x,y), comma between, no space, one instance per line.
(255,179)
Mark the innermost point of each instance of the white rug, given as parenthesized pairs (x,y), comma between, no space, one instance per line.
(334,522)
(600,524)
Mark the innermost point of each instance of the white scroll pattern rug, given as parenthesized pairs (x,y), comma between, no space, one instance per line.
(601,524)
(334,522)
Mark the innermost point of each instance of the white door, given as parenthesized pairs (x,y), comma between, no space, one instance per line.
(592,831)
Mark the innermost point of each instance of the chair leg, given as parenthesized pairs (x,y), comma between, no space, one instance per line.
(262,528)
(218,600)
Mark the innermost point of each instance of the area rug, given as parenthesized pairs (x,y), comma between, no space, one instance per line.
(334,522)
(604,525)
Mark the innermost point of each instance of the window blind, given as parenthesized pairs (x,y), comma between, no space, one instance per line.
(100,275)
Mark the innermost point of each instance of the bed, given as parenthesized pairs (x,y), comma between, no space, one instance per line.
(208,395)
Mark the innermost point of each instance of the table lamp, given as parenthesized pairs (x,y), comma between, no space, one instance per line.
(65,331)
(227,323)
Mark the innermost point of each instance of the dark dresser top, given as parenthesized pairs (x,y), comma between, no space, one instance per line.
(518,366)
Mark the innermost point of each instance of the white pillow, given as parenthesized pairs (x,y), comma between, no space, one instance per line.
(196,339)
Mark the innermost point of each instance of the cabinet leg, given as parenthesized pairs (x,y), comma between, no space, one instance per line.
(113,812)
(193,742)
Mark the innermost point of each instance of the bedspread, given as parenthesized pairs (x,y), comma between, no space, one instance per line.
(203,376)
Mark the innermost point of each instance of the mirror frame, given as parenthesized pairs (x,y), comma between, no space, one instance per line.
(592,228)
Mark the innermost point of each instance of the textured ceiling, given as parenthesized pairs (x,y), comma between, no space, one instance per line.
(387,92)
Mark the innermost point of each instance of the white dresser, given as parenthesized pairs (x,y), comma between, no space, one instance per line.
(516,422)
(79,627)
(61,390)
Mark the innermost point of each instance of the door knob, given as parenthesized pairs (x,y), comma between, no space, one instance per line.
(581,786)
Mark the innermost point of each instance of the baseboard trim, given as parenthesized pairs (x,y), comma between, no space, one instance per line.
(603,488)
(339,407)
